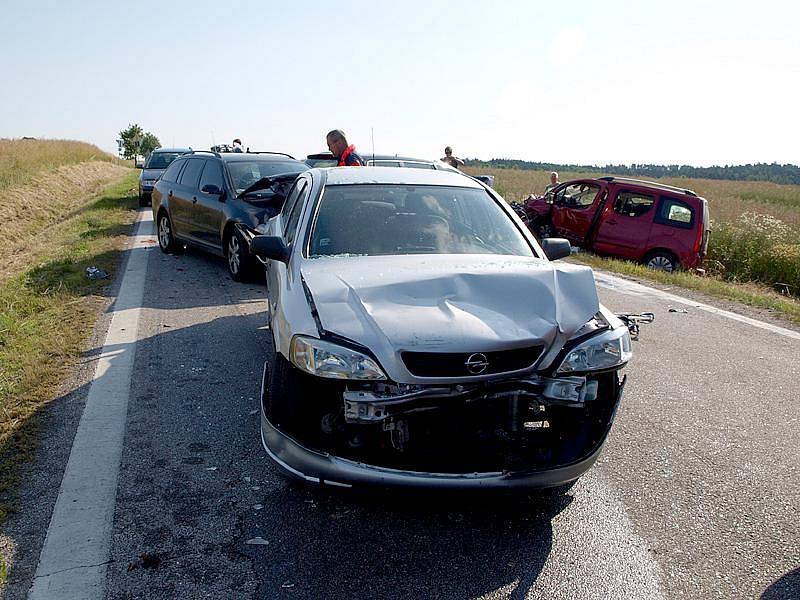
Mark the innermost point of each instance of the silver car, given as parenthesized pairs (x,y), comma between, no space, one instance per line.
(422,337)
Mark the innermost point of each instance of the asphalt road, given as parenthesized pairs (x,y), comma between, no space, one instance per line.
(697,492)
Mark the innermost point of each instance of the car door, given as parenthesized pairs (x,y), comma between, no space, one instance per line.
(285,225)
(208,211)
(184,196)
(624,228)
(574,208)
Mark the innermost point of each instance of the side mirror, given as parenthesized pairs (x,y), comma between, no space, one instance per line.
(212,189)
(555,248)
(271,247)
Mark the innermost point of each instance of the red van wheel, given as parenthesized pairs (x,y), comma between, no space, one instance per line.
(661,260)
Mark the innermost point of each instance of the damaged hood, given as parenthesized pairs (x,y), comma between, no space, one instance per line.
(449,303)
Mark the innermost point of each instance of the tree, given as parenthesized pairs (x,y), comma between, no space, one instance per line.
(136,141)
(149,143)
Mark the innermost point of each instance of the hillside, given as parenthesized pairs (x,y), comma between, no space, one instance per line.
(21,159)
(41,183)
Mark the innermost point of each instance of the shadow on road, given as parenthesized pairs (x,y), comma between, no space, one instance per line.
(786,587)
(405,545)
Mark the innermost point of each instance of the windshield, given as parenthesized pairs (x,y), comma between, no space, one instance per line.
(401,219)
(246,172)
(161,160)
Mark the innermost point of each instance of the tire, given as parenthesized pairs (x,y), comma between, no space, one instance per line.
(240,263)
(144,200)
(166,239)
(662,260)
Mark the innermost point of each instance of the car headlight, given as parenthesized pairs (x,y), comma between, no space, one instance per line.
(332,361)
(604,351)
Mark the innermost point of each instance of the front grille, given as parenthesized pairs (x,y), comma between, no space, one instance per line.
(454,364)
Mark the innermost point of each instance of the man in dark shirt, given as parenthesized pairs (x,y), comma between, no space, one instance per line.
(337,144)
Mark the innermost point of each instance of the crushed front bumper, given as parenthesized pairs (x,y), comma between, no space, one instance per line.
(313,466)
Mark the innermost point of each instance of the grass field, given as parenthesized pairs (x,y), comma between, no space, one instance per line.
(21,160)
(47,311)
(755,235)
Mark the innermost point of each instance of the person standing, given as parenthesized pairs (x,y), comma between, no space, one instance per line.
(554,183)
(344,152)
(451,160)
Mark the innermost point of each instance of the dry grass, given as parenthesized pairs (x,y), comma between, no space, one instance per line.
(28,211)
(47,311)
(21,160)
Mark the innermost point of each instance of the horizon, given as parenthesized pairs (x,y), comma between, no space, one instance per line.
(582,85)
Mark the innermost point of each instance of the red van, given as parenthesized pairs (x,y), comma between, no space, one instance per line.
(662,226)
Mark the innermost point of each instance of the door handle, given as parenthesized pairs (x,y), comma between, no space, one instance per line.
(194,199)
(611,221)
(170,194)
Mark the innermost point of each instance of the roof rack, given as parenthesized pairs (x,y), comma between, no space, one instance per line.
(204,152)
(654,184)
(268,152)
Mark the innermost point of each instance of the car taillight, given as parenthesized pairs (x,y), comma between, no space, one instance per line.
(698,243)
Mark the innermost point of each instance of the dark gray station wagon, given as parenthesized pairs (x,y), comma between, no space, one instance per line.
(206,198)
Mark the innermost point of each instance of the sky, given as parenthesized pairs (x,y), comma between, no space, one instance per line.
(687,82)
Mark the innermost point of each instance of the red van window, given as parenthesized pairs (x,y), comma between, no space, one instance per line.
(633,204)
(675,213)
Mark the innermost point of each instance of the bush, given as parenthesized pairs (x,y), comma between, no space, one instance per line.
(757,247)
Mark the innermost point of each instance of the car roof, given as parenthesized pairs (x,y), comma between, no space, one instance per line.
(396,175)
(172,150)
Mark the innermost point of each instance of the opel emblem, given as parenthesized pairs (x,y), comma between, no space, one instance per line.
(476,363)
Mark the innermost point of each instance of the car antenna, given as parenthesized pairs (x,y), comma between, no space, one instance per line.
(372,134)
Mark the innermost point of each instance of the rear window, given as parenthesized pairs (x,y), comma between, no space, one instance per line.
(400,219)
(191,174)
(675,213)
(171,174)
(245,173)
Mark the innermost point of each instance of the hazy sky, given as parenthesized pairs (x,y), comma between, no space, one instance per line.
(582,82)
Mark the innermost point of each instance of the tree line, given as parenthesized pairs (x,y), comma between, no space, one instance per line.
(774,172)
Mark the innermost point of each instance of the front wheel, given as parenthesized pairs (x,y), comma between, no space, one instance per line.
(166,239)
(661,260)
(237,255)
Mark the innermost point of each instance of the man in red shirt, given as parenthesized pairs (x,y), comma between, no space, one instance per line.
(337,144)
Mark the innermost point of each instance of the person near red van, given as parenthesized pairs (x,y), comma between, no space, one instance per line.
(347,155)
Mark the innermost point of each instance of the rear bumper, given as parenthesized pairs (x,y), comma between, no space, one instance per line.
(318,467)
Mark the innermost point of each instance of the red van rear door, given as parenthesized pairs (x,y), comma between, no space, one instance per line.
(624,228)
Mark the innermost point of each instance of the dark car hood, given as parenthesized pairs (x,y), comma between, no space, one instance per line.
(449,303)
(152,173)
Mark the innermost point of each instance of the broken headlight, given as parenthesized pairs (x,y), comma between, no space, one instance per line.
(606,350)
(332,361)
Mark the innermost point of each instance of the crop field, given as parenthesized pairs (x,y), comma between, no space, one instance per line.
(755,231)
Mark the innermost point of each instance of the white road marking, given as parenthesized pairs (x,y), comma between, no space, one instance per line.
(75,554)
(632,288)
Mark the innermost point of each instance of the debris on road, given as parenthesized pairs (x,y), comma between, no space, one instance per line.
(678,310)
(258,506)
(95,273)
(257,541)
(146,561)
